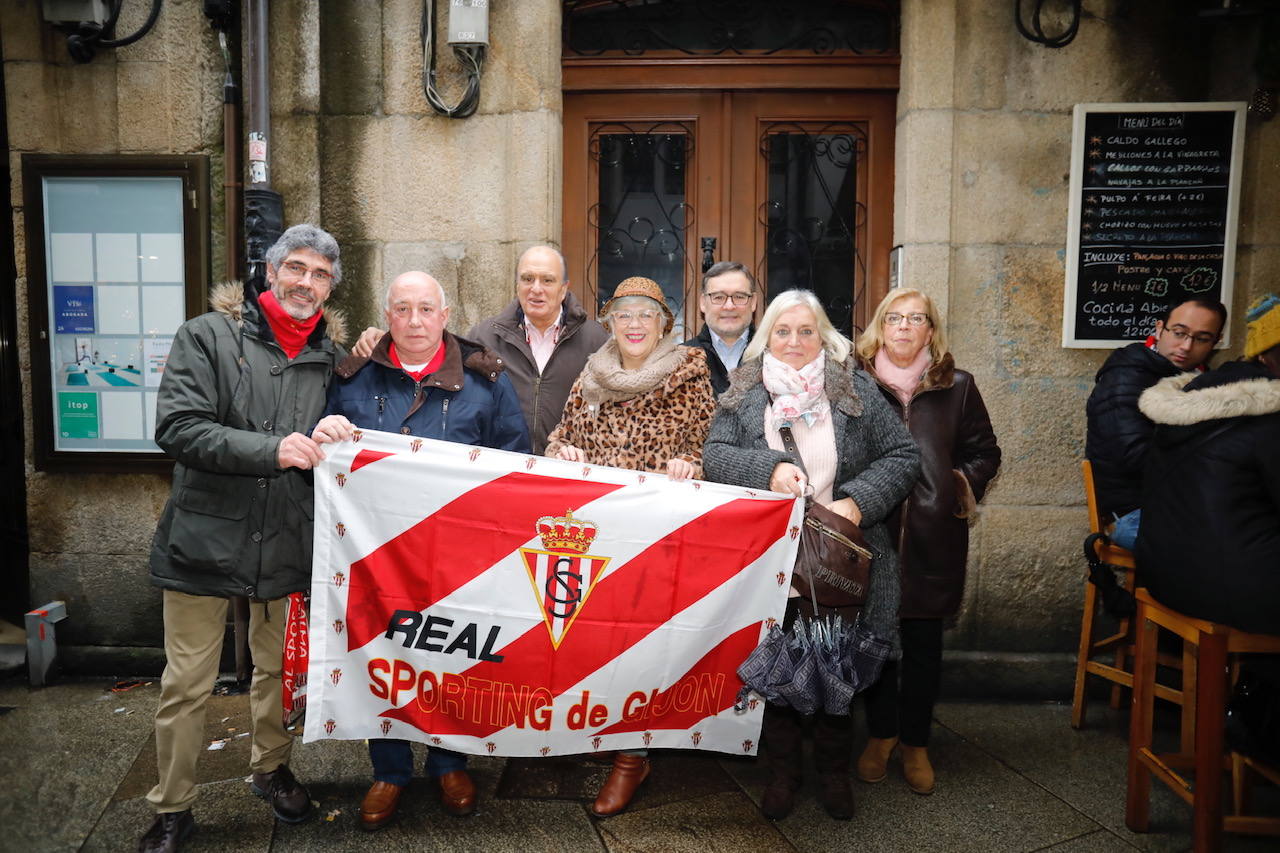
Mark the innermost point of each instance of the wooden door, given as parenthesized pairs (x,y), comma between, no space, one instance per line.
(797,185)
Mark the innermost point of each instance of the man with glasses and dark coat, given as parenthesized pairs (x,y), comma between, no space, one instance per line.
(240,385)
(1119,435)
(728,304)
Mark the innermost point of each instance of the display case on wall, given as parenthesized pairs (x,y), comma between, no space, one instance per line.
(117,260)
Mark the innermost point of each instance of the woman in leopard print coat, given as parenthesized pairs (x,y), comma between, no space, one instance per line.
(642,402)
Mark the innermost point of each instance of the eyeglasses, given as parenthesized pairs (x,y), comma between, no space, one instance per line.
(622,318)
(893,318)
(1180,334)
(299,271)
(720,297)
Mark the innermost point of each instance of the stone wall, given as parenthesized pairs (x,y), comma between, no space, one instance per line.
(981,205)
(90,533)
(983,143)
(403,187)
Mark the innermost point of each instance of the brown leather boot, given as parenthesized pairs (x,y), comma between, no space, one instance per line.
(874,761)
(627,774)
(917,769)
(379,805)
(779,797)
(836,795)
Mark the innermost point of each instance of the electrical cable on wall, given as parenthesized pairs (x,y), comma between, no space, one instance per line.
(470,56)
(83,43)
(1037,34)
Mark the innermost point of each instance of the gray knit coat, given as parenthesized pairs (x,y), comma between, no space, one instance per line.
(877,465)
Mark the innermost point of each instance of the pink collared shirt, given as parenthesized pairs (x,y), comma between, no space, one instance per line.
(542,344)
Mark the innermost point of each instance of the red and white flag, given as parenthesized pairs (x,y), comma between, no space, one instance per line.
(497,603)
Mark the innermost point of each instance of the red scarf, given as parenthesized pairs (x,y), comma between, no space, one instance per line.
(291,334)
(432,366)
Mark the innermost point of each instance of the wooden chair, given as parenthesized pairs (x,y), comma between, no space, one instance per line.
(1210,644)
(1242,766)
(1120,644)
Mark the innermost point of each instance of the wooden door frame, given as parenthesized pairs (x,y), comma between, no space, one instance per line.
(675,72)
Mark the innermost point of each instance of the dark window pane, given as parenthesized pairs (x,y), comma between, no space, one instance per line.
(810,218)
(713,27)
(641,214)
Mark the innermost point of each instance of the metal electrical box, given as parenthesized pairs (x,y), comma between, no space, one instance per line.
(469,22)
(75,11)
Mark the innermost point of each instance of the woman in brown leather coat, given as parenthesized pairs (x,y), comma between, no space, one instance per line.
(905,349)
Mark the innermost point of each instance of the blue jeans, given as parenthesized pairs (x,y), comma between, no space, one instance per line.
(1125,531)
(393,761)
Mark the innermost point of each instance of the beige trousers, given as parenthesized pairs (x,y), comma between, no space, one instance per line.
(194,626)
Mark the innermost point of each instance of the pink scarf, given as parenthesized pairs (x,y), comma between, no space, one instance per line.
(903,380)
(796,393)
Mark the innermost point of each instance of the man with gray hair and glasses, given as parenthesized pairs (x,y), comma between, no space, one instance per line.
(728,304)
(240,386)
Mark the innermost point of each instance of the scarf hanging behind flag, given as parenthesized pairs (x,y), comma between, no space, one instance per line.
(497,603)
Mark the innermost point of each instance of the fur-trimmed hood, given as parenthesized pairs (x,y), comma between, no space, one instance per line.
(1172,403)
(228,298)
(837,380)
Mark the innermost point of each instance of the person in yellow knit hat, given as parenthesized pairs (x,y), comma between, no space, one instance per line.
(1209,543)
(1263,334)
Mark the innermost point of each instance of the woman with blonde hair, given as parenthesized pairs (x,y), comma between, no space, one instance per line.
(852,454)
(905,350)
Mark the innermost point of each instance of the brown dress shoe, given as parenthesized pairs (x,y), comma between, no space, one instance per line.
(627,774)
(288,797)
(457,793)
(379,805)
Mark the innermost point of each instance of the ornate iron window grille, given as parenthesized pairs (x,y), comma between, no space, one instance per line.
(807,239)
(616,235)
(735,27)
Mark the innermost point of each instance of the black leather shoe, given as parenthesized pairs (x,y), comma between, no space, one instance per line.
(288,797)
(168,832)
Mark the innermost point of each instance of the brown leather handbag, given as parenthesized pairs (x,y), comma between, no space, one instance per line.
(834,555)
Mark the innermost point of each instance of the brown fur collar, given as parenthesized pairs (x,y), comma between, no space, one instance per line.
(941,374)
(227,298)
(837,382)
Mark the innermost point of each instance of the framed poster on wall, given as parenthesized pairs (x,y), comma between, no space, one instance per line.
(117,260)
(1155,198)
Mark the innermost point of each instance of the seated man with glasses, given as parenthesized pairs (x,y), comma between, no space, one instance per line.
(728,305)
(1119,435)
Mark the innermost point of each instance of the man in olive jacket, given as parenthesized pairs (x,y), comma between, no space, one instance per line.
(241,385)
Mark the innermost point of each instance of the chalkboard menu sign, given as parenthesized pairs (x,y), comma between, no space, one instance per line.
(1152,222)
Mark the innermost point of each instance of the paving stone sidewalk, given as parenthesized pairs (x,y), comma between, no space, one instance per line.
(78,758)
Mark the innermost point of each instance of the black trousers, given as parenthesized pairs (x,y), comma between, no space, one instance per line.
(901,703)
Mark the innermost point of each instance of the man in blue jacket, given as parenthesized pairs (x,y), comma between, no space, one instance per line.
(421,380)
